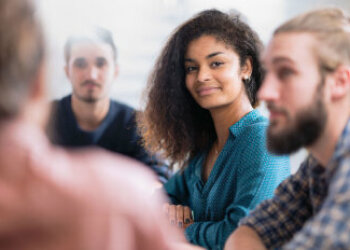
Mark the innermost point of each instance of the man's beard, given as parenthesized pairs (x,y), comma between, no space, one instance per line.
(309,124)
(89,98)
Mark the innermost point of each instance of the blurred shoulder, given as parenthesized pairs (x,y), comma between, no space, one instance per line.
(122,106)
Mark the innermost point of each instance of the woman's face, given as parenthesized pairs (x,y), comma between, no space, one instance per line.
(213,73)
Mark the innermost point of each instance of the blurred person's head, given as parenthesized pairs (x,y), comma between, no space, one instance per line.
(210,61)
(22,53)
(91,64)
(307,74)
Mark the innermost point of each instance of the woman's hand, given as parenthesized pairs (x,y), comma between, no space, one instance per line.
(178,215)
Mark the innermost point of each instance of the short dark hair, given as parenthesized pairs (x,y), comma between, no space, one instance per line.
(94,34)
(21,53)
(173,121)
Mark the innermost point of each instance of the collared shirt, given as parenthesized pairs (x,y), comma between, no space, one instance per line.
(244,175)
(311,209)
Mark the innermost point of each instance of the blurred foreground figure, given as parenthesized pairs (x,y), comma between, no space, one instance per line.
(307,90)
(52,199)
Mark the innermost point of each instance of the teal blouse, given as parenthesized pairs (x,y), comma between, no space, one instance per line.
(244,175)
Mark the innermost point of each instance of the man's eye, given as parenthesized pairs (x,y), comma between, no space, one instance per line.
(100,63)
(285,73)
(80,63)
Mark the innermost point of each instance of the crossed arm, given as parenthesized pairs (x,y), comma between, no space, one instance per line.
(178,215)
(243,238)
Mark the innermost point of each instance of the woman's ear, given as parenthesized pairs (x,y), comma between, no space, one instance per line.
(247,68)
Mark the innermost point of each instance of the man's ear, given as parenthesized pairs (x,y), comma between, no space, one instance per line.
(116,71)
(341,84)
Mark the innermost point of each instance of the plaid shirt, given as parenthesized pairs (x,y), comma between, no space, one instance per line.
(311,209)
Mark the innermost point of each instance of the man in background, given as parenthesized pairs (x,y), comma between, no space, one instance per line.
(88,117)
(53,199)
(307,91)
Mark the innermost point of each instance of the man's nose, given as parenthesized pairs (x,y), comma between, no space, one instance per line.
(93,73)
(269,89)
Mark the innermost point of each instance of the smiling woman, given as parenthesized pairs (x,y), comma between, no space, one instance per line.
(211,68)
(200,113)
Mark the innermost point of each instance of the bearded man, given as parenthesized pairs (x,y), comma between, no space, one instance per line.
(307,91)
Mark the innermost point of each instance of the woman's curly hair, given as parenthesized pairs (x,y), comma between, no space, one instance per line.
(172,122)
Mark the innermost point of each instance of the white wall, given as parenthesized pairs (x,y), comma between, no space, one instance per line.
(142,27)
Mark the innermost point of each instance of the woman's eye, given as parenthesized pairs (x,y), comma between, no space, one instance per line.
(190,69)
(216,64)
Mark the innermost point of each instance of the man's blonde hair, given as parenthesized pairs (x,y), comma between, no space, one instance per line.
(22,52)
(331,28)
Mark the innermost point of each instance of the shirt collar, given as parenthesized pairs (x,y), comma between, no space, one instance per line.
(342,148)
(252,117)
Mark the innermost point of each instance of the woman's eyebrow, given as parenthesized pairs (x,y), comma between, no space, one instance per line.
(208,56)
(214,54)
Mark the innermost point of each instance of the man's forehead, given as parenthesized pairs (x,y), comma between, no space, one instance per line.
(90,44)
(289,47)
(94,48)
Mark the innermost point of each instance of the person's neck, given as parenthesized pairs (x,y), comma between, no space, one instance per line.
(224,117)
(323,148)
(90,115)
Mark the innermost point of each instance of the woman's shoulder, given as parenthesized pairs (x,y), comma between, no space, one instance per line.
(251,125)
(255,121)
